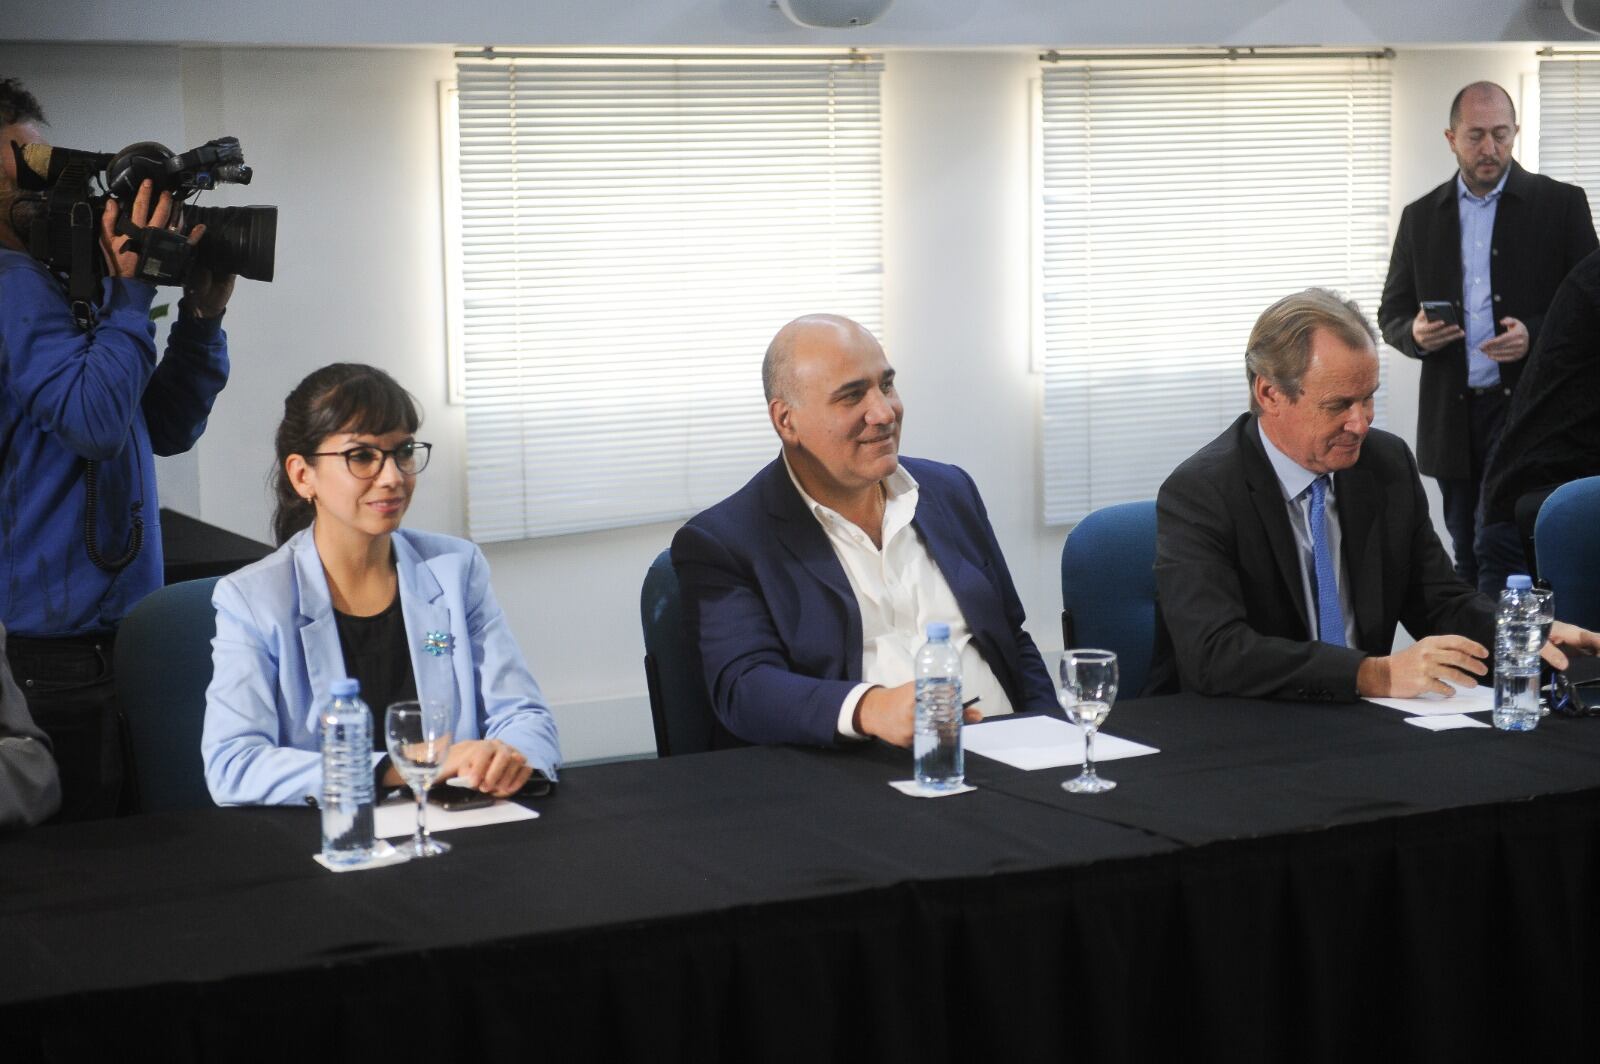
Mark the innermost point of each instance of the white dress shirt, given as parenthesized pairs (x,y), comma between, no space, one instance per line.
(1295,482)
(899,590)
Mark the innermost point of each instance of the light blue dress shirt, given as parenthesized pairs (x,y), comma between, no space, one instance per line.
(1477,293)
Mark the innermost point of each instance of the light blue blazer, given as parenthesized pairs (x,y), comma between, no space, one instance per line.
(277,653)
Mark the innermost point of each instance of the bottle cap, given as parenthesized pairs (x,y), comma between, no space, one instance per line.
(938,630)
(346,688)
(1520,582)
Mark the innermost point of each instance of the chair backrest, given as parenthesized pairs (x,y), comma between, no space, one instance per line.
(1567,540)
(1108,588)
(679,705)
(163,666)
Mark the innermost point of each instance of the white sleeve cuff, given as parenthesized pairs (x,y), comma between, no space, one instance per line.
(847,711)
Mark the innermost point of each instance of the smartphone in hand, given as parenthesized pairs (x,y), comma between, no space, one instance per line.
(1440,310)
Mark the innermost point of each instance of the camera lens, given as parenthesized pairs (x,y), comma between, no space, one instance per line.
(240,240)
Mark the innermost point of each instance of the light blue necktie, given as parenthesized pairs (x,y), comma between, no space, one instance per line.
(1330,619)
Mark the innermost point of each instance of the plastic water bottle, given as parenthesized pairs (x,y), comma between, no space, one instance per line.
(1518,637)
(937,742)
(346,776)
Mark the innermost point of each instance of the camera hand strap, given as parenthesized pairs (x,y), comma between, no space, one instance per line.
(165,255)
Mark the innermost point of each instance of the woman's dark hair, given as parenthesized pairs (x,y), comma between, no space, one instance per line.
(343,397)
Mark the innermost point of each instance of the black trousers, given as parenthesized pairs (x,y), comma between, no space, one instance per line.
(1484,554)
(68,686)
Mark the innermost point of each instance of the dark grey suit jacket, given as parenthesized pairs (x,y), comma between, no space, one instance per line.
(30,790)
(1233,611)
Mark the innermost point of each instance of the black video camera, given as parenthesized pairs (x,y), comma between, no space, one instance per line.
(62,193)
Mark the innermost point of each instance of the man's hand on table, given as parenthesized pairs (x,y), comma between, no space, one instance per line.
(890,714)
(1423,667)
(1566,639)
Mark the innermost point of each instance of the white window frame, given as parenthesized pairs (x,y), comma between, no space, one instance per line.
(1569,121)
(625,234)
(1152,272)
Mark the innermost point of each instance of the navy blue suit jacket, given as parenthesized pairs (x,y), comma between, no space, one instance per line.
(777,623)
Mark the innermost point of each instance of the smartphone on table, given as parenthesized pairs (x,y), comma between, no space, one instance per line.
(448,795)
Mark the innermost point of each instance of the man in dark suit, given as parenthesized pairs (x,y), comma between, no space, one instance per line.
(1289,548)
(1494,242)
(809,588)
(1552,432)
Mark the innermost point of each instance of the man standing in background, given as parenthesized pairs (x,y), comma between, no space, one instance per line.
(1492,244)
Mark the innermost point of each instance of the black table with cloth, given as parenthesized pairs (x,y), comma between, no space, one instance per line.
(1281,882)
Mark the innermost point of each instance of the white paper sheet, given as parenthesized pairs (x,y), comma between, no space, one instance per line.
(1479,699)
(1446,722)
(1032,743)
(395,820)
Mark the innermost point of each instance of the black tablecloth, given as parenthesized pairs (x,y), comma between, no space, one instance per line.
(1281,883)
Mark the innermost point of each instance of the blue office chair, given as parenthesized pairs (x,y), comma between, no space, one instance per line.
(1108,588)
(679,706)
(1567,540)
(163,666)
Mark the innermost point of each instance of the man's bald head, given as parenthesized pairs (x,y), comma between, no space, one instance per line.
(777,368)
(1486,92)
(1483,129)
(832,400)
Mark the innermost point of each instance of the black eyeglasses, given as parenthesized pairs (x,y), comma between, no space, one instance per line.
(365,463)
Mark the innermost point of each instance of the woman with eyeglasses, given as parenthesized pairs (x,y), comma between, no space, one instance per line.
(351,593)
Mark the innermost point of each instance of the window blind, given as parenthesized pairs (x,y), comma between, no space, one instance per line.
(1569,122)
(631,233)
(1179,198)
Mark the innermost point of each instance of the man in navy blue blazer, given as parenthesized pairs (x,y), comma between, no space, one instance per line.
(809,589)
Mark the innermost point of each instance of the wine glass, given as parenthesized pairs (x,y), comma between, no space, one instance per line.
(1088,687)
(418,735)
(1544,599)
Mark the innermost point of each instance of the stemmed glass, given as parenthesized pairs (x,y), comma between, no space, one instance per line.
(1088,687)
(418,735)
(1545,612)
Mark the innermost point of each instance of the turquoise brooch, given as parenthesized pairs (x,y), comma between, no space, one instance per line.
(437,643)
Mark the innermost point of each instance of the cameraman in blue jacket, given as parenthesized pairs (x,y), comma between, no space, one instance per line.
(83,412)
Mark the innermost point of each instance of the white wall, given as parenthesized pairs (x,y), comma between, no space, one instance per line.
(346,142)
